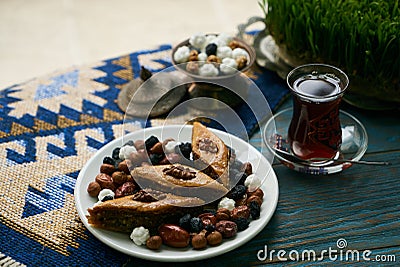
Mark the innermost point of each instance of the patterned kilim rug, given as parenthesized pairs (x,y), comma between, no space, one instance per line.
(49,128)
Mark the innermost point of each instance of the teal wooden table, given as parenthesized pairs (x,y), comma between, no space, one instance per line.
(361,205)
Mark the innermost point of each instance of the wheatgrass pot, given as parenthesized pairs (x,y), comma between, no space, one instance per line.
(360,37)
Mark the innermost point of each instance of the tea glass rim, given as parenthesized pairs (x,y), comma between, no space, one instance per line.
(344,79)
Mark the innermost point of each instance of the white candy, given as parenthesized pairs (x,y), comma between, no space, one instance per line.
(126,151)
(182,54)
(140,235)
(238,52)
(105,192)
(202,57)
(170,147)
(210,39)
(252,182)
(224,52)
(208,70)
(226,203)
(228,66)
(224,39)
(198,40)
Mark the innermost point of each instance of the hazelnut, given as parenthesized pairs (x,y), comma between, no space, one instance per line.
(105,181)
(223,214)
(208,218)
(143,156)
(254,198)
(128,188)
(129,178)
(157,148)
(241,62)
(107,168)
(214,59)
(119,177)
(214,238)
(123,166)
(234,44)
(226,228)
(193,55)
(94,189)
(247,168)
(139,144)
(199,241)
(192,66)
(258,192)
(154,242)
(241,212)
(135,159)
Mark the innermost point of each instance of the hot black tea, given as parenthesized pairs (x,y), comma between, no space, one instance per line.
(315,131)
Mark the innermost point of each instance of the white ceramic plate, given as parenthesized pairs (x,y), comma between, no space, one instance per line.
(123,243)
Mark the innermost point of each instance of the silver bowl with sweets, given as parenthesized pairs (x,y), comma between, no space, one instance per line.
(217,65)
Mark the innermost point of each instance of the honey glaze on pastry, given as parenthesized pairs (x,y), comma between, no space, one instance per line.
(179,180)
(210,153)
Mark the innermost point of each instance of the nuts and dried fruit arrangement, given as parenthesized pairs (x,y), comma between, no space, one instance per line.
(212,55)
(208,226)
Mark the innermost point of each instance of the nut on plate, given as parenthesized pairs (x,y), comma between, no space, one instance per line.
(94,189)
(241,201)
(223,214)
(154,242)
(105,181)
(174,235)
(139,144)
(199,241)
(254,198)
(135,159)
(107,168)
(240,212)
(126,189)
(208,218)
(214,238)
(258,192)
(227,228)
(119,177)
(123,166)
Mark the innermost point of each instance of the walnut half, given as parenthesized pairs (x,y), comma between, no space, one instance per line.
(208,145)
(180,172)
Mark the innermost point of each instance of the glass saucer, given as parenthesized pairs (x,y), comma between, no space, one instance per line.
(354,143)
